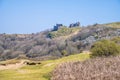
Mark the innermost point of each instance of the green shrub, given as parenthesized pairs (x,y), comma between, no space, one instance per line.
(64,52)
(116,40)
(105,48)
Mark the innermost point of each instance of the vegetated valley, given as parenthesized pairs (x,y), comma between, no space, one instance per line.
(58,54)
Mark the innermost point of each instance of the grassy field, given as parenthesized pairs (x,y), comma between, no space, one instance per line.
(38,72)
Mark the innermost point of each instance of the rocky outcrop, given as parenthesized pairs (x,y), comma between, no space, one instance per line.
(57,26)
(74,24)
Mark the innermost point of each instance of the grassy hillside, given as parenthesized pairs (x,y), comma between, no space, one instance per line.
(114,24)
(38,72)
(63,31)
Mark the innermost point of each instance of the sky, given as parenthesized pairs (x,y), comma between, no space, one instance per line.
(31,16)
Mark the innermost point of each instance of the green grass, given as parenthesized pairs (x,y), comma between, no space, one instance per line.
(63,31)
(39,72)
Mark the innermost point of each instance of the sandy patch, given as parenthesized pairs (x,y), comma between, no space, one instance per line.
(12,66)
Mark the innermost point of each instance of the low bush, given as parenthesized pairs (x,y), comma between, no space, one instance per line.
(105,48)
(106,68)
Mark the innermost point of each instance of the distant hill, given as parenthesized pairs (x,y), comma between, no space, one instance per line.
(57,43)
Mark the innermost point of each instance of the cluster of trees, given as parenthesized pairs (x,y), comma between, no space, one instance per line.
(35,46)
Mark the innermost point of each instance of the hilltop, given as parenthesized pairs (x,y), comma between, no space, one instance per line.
(114,24)
(56,43)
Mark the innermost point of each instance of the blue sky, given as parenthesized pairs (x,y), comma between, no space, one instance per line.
(31,16)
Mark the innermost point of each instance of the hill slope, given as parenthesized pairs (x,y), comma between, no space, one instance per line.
(55,44)
(114,24)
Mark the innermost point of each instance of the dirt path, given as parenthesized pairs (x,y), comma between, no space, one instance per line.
(50,64)
(12,66)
